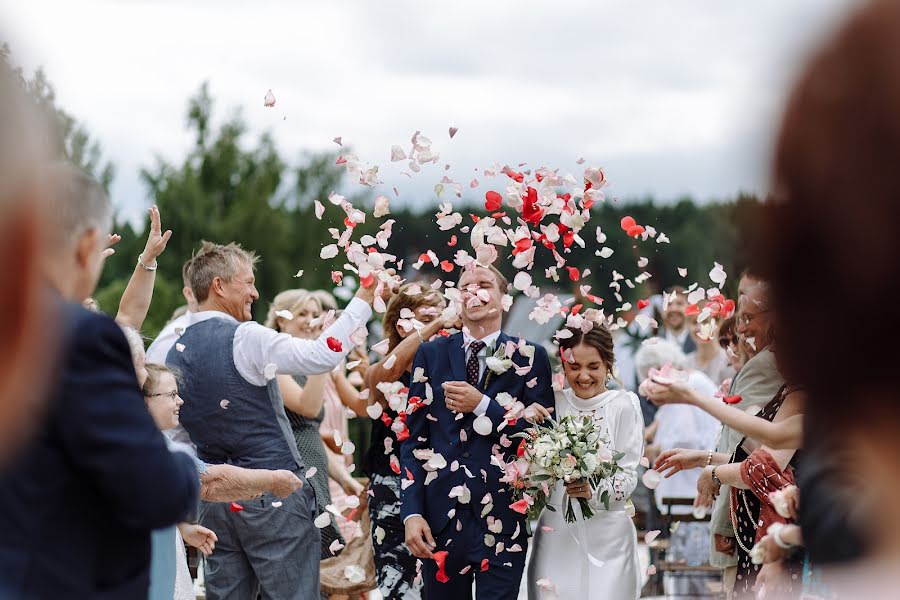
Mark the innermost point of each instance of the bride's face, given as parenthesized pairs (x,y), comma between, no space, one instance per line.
(585,371)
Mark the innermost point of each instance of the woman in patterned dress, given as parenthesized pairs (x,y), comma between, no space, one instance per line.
(412,317)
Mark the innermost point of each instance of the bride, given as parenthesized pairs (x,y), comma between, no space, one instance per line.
(594,558)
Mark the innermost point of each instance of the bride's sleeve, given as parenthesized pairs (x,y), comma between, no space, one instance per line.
(626,428)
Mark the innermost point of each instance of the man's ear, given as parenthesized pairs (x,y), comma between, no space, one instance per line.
(218,286)
(87,246)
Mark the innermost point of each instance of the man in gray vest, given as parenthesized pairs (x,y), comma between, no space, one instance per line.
(234,414)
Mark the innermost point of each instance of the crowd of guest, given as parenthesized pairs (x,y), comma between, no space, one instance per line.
(776,419)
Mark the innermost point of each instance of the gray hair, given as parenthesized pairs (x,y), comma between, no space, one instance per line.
(78,204)
(656,352)
(215,260)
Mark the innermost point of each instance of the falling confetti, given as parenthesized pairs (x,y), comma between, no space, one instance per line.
(269,100)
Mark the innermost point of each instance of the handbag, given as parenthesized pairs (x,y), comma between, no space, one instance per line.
(358,552)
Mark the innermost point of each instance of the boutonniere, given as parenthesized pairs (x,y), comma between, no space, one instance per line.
(497,364)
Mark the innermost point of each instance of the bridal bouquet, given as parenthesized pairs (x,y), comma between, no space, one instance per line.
(566,450)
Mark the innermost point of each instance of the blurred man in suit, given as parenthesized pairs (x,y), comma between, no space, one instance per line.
(78,502)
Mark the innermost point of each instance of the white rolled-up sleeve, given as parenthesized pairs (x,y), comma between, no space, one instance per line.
(256,347)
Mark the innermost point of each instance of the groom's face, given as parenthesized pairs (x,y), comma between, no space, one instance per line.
(482,298)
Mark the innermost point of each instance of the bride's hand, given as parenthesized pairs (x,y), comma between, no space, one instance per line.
(579,489)
(537,413)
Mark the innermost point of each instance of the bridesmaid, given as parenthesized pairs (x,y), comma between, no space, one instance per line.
(594,558)
(395,565)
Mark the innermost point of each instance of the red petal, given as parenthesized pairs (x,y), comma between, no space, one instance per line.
(446,266)
(732,399)
(452,241)
(334,344)
(692,310)
(409,475)
(475,218)
(493,201)
(627,223)
(576,308)
(386,419)
(484,565)
(574,275)
(520,451)
(635,231)
(444,333)
(403,435)
(235,507)
(367,281)
(349,223)
(340,160)
(440,557)
(520,507)
(642,304)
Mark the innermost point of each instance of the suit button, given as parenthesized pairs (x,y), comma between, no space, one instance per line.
(465,455)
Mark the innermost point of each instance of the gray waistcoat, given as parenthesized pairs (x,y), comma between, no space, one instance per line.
(250,430)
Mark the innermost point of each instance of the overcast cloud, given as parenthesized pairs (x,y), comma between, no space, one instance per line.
(673,97)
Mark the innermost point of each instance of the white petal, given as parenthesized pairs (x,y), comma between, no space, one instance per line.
(323,520)
(651,479)
(375,410)
(483,425)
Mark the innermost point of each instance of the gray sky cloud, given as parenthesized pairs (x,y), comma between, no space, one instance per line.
(671,97)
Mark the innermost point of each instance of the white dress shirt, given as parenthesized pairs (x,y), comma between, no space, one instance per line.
(489,341)
(159,349)
(256,346)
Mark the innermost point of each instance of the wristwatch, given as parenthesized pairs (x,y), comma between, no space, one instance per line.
(715,478)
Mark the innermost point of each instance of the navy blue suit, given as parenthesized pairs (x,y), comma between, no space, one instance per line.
(436,427)
(78,502)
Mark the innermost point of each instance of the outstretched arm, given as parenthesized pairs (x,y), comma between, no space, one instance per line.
(135,300)
(779,434)
(228,483)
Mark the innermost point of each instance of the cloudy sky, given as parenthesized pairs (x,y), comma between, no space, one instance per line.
(672,97)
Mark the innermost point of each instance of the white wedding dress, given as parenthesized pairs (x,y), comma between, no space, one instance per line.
(595,558)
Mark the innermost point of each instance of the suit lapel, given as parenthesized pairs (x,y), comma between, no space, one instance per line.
(489,377)
(457,357)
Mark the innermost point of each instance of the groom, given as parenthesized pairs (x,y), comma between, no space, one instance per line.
(457,513)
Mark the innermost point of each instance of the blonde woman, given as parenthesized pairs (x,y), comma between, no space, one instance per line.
(293,312)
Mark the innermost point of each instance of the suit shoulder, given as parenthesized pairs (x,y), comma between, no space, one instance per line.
(88,328)
(441,344)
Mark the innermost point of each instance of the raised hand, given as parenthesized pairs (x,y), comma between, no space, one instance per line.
(111,240)
(157,240)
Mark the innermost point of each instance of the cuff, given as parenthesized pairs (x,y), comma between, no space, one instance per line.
(482,406)
(408,517)
(360,310)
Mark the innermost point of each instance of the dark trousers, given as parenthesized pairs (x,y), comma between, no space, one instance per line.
(272,550)
(466,547)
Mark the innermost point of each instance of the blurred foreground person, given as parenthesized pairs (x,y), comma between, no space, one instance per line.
(78,502)
(27,323)
(835,256)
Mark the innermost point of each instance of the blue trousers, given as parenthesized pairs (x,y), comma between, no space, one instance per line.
(466,548)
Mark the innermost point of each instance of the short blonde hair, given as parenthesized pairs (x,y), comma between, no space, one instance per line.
(293,301)
(216,260)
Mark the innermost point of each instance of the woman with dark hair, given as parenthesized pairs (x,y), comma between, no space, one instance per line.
(412,317)
(596,557)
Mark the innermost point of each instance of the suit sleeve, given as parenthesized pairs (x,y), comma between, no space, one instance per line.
(111,437)
(413,497)
(542,394)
